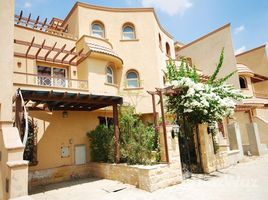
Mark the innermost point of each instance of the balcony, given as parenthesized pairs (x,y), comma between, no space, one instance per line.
(49,81)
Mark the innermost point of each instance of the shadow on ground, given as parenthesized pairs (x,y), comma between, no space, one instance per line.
(56,186)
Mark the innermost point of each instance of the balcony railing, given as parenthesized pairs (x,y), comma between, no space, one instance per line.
(49,81)
(261,95)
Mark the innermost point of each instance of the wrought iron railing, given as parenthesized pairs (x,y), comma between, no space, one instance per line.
(49,81)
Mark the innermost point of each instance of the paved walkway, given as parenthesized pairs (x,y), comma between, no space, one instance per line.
(247,180)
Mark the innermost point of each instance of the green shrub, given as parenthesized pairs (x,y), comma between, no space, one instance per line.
(30,151)
(138,143)
(102,144)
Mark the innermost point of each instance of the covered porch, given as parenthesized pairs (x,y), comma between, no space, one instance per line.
(62,120)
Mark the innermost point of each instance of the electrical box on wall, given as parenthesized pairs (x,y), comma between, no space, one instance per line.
(65,152)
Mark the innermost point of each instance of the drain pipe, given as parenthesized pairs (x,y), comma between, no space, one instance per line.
(25,137)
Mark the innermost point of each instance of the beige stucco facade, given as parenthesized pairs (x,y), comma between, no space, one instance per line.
(205,53)
(252,69)
(83,60)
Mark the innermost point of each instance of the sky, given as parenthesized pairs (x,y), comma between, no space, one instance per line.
(185,20)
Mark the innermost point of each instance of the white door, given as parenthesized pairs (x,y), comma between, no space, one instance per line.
(80,154)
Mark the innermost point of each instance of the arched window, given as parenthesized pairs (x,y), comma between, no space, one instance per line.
(168,49)
(109,75)
(133,79)
(160,41)
(243,82)
(128,32)
(97,29)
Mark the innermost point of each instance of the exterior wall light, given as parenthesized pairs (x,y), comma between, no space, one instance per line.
(65,114)
(175,130)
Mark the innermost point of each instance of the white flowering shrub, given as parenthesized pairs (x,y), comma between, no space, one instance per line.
(200,102)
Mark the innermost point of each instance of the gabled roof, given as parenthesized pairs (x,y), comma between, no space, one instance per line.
(251,50)
(205,36)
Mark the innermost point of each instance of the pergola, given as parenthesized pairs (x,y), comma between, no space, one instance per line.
(54,26)
(50,53)
(169,91)
(66,101)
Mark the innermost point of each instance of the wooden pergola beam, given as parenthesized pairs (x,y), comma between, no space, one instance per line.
(49,51)
(36,22)
(39,50)
(43,24)
(20,16)
(70,100)
(29,48)
(116,133)
(57,54)
(154,108)
(84,57)
(71,52)
(28,19)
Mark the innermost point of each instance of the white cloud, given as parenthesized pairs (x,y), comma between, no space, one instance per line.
(171,7)
(27,4)
(239,29)
(240,50)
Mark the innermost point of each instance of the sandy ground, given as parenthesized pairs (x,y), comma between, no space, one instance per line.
(247,180)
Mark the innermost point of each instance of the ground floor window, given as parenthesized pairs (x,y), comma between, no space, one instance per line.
(106,121)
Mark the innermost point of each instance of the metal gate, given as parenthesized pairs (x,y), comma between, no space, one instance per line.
(189,151)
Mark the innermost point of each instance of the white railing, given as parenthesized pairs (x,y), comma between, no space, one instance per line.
(50,81)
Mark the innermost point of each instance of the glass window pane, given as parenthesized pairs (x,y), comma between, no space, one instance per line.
(59,77)
(44,76)
(128,36)
(109,71)
(132,75)
(128,33)
(58,72)
(132,83)
(128,29)
(109,79)
(98,34)
(96,27)
(97,30)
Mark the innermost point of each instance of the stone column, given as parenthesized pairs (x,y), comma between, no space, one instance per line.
(14,170)
(207,150)
(235,138)
(254,139)
(173,146)
(173,150)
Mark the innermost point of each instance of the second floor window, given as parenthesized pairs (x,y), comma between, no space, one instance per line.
(128,32)
(109,75)
(243,82)
(132,79)
(49,76)
(168,49)
(97,30)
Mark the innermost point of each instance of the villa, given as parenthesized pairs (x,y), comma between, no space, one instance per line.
(70,75)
